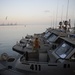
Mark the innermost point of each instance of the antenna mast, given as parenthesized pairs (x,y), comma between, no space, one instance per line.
(62,14)
(57,11)
(67,10)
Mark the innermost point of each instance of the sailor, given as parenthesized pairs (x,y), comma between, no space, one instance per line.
(36,45)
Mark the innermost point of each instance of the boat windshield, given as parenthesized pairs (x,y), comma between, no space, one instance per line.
(46,31)
(72,35)
(52,38)
(47,35)
(64,50)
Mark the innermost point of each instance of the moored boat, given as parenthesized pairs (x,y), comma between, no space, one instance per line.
(49,39)
(62,57)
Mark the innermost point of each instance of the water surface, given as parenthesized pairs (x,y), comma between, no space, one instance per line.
(9,35)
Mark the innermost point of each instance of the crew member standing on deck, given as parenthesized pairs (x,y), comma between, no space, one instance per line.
(36,45)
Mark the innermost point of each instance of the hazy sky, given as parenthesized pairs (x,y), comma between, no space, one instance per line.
(35,11)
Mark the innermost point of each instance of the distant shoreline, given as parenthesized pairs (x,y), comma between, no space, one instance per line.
(8,25)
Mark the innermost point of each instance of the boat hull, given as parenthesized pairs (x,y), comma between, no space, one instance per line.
(46,68)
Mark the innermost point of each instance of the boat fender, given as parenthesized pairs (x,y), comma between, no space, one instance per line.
(4,56)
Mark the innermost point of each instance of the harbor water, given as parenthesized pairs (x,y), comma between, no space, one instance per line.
(9,35)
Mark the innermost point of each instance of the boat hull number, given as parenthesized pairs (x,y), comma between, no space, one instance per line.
(35,67)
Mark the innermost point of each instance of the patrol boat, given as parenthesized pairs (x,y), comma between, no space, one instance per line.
(48,39)
(61,60)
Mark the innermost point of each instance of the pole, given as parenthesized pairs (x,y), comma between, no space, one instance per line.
(62,14)
(57,12)
(67,10)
